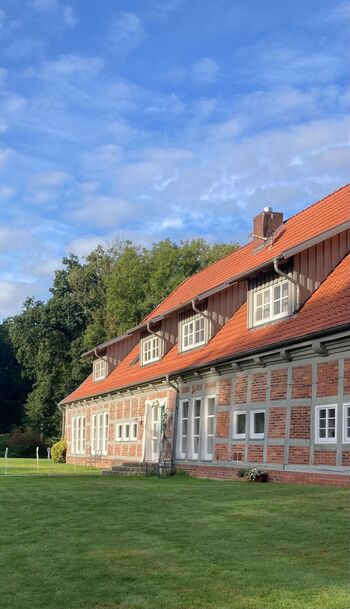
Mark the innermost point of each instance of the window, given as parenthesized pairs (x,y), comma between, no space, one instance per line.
(183,429)
(99,434)
(272,303)
(150,349)
(209,428)
(126,435)
(133,431)
(196,420)
(346,423)
(239,423)
(325,426)
(119,432)
(193,333)
(78,435)
(257,424)
(100,369)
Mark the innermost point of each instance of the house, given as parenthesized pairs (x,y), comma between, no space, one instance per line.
(246,363)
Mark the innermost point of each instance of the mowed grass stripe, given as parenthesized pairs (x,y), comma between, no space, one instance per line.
(177,543)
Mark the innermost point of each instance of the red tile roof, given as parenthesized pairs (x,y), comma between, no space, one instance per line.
(322,216)
(327,308)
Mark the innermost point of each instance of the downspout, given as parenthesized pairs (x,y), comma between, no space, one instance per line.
(193,304)
(174,386)
(282,274)
(144,433)
(148,326)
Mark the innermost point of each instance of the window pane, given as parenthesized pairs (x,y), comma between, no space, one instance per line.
(258,315)
(241,418)
(211,406)
(185,410)
(258,300)
(210,425)
(195,444)
(285,289)
(266,311)
(285,305)
(276,307)
(259,422)
(197,408)
(184,427)
(277,292)
(210,445)
(184,445)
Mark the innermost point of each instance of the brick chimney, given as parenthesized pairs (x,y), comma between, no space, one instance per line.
(266,224)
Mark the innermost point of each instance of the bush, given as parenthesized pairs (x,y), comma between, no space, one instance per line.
(253,474)
(58,451)
(24,443)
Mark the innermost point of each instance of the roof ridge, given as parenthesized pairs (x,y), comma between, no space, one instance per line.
(302,211)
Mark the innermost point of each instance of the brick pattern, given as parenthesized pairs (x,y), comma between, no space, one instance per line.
(347,377)
(346,457)
(224,396)
(301,382)
(259,387)
(327,379)
(325,457)
(277,422)
(299,455)
(278,389)
(241,387)
(275,454)
(256,453)
(221,452)
(231,473)
(300,422)
(222,424)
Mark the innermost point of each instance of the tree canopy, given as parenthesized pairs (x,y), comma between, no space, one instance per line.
(91,301)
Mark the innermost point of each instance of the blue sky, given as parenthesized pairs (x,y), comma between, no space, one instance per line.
(144,119)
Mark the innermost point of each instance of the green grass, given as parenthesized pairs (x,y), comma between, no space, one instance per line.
(172,543)
(19,467)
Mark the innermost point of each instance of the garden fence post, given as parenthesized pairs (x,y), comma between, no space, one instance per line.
(37,459)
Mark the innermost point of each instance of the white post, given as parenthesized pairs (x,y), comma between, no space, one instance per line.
(37,459)
(74,462)
(6,456)
(48,459)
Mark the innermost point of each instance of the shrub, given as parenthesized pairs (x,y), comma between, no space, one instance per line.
(58,451)
(255,475)
(24,443)
(241,473)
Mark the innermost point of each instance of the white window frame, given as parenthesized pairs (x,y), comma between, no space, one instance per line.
(119,432)
(133,431)
(235,434)
(195,454)
(186,324)
(100,369)
(253,435)
(346,439)
(78,435)
(270,289)
(180,453)
(150,344)
(126,434)
(99,433)
(318,439)
(206,455)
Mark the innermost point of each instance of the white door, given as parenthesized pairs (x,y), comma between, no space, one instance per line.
(156,424)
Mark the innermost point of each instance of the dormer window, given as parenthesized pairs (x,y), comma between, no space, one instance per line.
(194,333)
(151,348)
(271,303)
(100,369)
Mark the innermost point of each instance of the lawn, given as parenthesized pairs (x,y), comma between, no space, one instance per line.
(172,543)
(18,467)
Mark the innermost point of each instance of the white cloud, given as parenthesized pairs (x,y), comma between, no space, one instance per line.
(126,32)
(103,158)
(65,12)
(72,65)
(51,179)
(206,70)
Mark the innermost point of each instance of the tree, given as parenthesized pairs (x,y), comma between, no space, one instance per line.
(93,300)
(13,388)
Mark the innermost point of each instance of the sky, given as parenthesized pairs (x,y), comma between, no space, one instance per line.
(148,119)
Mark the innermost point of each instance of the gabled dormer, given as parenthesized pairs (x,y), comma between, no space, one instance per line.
(272,297)
(152,346)
(194,327)
(100,368)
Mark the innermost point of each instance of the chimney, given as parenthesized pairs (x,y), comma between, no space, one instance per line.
(266,224)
